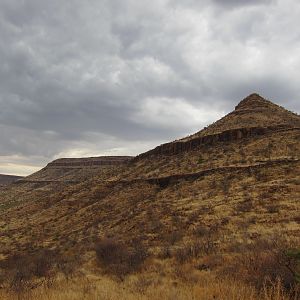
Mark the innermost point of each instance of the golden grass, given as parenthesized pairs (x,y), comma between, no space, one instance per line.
(138,287)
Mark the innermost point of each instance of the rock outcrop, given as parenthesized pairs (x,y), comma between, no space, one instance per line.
(178,147)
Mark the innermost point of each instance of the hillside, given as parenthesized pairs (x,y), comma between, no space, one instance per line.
(232,184)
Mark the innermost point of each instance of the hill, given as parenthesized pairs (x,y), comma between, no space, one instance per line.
(232,184)
(201,180)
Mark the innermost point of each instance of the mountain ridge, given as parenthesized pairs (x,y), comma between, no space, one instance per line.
(7,179)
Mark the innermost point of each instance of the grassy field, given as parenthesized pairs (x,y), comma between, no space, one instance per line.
(261,272)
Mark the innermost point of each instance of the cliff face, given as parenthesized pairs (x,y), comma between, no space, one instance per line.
(178,147)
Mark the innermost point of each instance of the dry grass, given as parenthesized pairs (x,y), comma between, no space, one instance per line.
(195,222)
(138,287)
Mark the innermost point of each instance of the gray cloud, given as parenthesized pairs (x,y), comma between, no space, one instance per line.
(240,3)
(119,77)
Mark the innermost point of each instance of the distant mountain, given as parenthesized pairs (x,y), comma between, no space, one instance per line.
(7,179)
(77,169)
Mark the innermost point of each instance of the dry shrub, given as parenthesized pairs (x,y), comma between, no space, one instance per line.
(211,262)
(244,206)
(28,270)
(273,208)
(173,237)
(188,251)
(118,259)
(262,263)
(165,252)
(185,273)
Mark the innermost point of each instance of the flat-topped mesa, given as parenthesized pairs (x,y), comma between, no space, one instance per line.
(90,161)
(72,170)
(255,101)
(7,179)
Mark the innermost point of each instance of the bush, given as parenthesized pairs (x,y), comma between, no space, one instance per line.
(188,252)
(263,263)
(244,206)
(28,270)
(292,258)
(118,259)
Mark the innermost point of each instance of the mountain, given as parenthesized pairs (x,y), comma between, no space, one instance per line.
(253,116)
(7,179)
(238,180)
(77,169)
(252,112)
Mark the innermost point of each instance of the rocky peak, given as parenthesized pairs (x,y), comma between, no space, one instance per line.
(255,101)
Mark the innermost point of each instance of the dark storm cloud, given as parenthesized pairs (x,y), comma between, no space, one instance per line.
(118,77)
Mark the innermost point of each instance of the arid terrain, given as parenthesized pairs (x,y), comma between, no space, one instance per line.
(215,215)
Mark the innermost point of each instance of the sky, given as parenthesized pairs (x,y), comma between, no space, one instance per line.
(119,77)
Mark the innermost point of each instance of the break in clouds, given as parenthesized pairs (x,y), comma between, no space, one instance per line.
(117,77)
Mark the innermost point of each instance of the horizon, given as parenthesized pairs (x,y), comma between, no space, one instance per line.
(120,77)
(39,168)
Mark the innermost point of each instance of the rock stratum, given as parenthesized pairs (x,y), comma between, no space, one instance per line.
(239,177)
(230,135)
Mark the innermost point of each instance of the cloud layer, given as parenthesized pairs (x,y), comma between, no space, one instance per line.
(121,76)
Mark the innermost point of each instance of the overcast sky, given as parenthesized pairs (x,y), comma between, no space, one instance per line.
(116,77)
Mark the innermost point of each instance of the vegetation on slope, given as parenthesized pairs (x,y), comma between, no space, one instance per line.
(220,219)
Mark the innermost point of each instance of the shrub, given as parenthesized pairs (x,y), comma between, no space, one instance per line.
(118,259)
(292,262)
(165,253)
(188,252)
(263,263)
(272,208)
(173,237)
(201,160)
(28,270)
(244,206)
